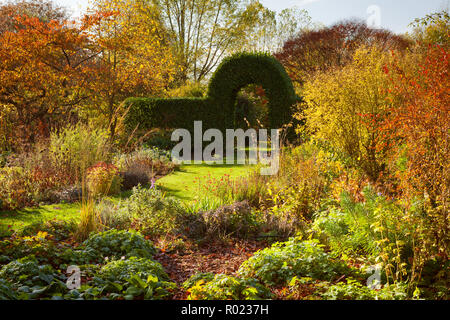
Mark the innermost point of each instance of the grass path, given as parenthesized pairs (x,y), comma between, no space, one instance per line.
(179,184)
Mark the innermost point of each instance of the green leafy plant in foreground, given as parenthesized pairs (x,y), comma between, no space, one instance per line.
(207,286)
(353,290)
(281,262)
(26,273)
(120,243)
(134,277)
(154,213)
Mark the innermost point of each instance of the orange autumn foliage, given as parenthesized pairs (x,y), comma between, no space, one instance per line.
(41,74)
(419,122)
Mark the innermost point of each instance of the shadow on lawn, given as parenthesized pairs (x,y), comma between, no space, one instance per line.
(24,214)
(171,191)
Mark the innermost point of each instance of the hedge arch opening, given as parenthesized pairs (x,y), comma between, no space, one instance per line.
(251,108)
(241,70)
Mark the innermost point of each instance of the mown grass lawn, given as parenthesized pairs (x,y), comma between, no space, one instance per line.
(179,184)
(19,219)
(183,185)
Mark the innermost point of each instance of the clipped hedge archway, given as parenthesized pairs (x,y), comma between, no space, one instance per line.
(240,70)
(217,109)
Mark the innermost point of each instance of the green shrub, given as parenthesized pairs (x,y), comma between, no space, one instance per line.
(239,70)
(148,113)
(27,272)
(58,229)
(208,286)
(81,256)
(134,277)
(374,228)
(121,270)
(281,262)
(119,243)
(353,290)
(150,211)
(348,229)
(113,215)
(103,179)
(38,245)
(155,213)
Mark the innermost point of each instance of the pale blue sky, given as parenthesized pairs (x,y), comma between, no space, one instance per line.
(394,14)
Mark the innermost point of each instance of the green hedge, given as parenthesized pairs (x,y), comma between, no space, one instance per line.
(217,109)
(149,113)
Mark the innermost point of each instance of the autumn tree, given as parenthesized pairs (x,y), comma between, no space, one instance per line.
(432,29)
(271,29)
(332,47)
(44,10)
(41,74)
(202,32)
(135,59)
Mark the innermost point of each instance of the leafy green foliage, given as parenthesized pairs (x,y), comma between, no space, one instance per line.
(58,229)
(148,113)
(161,139)
(119,243)
(207,286)
(6,291)
(27,272)
(133,278)
(121,270)
(348,229)
(39,245)
(353,290)
(281,262)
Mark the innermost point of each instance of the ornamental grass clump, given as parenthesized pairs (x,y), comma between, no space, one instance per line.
(103,179)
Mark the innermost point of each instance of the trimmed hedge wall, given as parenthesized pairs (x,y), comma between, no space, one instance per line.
(168,113)
(217,109)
